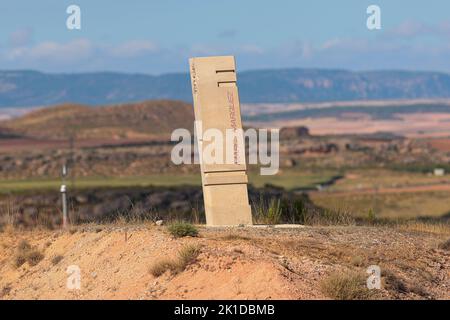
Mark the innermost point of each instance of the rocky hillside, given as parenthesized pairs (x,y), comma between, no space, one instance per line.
(31,88)
(133,120)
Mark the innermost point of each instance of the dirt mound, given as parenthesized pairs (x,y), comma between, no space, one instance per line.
(240,263)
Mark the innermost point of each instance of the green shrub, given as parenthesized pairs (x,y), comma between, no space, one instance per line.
(182,229)
(268,212)
(371,217)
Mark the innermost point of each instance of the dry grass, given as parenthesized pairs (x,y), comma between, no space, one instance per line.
(391,205)
(26,253)
(396,284)
(233,236)
(34,257)
(417,226)
(186,256)
(346,286)
(160,267)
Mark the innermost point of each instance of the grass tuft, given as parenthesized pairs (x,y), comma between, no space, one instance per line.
(186,256)
(34,257)
(26,253)
(160,267)
(346,286)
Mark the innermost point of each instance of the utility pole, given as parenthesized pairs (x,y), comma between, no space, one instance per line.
(64,195)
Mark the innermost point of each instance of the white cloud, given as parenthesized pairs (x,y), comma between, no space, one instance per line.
(74,51)
(70,51)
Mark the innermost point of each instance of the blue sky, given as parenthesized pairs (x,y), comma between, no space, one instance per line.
(159,36)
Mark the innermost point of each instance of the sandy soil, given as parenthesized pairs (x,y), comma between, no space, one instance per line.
(253,263)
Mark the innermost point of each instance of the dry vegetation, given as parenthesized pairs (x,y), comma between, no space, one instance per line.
(147,119)
(27,253)
(346,286)
(186,256)
(144,261)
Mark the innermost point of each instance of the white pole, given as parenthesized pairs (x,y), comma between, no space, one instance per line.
(64,205)
(64,196)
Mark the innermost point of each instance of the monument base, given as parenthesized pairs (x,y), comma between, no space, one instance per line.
(236,210)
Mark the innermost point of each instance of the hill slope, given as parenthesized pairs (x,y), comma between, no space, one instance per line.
(31,88)
(133,120)
(234,263)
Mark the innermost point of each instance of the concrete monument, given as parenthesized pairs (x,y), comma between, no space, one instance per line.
(216,107)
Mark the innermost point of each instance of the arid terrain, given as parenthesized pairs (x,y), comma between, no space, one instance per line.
(417,118)
(240,263)
(361,190)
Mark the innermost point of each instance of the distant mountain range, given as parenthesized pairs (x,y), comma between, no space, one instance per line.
(31,88)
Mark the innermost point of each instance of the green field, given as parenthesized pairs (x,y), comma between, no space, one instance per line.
(288,180)
(389,205)
(358,193)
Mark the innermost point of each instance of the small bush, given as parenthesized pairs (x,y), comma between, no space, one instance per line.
(371,217)
(445,245)
(26,253)
(160,267)
(181,229)
(34,257)
(346,286)
(268,212)
(57,259)
(19,259)
(297,209)
(22,253)
(187,255)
